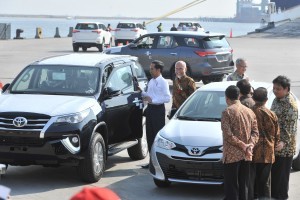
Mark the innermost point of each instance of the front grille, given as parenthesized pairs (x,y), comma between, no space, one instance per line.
(21,141)
(197,170)
(35,122)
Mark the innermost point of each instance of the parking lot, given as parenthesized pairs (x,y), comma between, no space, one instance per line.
(267,58)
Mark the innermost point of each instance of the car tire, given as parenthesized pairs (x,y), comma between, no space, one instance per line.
(161,184)
(75,48)
(296,163)
(84,49)
(140,150)
(92,167)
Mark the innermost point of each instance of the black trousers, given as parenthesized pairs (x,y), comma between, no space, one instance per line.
(280,177)
(262,186)
(155,120)
(236,180)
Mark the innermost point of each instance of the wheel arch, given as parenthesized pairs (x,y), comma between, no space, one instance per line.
(101,128)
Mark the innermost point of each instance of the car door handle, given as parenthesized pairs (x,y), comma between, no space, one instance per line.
(174,54)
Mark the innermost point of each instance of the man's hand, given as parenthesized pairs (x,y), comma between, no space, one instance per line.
(148,99)
(279,146)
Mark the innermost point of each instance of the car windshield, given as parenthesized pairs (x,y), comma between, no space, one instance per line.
(126,25)
(203,105)
(215,42)
(57,79)
(86,26)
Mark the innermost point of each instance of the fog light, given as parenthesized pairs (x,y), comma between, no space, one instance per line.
(74,140)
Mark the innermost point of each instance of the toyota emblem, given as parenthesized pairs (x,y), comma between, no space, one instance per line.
(19,122)
(195,151)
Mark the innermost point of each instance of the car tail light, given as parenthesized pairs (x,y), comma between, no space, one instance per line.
(205,53)
(97,31)
(135,30)
(117,29)
(75,31)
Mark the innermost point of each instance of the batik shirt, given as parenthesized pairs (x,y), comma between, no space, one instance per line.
(182,89)
(269,134)
(239,126)
(236,77)
(247,101)
(287,112)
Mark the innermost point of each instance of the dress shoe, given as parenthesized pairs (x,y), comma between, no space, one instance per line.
(145,166)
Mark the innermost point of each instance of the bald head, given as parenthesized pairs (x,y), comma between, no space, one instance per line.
(180,68)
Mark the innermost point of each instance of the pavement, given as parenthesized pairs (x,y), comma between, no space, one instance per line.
(267,58)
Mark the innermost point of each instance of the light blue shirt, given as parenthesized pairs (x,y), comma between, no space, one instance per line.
(158,90)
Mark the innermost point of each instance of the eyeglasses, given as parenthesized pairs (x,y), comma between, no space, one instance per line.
(244,66)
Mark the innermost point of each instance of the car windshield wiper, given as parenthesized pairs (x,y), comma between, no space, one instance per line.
(187,118)
(208,119)
(218,46)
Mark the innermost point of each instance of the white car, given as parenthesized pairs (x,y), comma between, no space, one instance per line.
(190,26)
(128,31)
(90,34)
(189,148)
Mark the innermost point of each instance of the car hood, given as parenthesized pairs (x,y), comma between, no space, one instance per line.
(193,133)
(51,105)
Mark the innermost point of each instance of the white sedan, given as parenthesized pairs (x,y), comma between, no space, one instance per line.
(189,148)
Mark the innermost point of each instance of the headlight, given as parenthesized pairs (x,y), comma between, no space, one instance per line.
(74,118)
(221,148)
(164,143)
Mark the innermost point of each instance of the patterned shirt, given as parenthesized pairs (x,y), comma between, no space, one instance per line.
(236,77)
(182,89)
(247,101)
(239,127)
(287,112)
(269,134)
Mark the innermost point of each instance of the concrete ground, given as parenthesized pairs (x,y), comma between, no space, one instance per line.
(267,58)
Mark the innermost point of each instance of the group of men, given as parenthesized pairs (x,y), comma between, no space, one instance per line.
(258,143)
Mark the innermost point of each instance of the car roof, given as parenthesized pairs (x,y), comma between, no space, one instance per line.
(90,22)
(221,86)
(130,22)
(188,33)
(82,59)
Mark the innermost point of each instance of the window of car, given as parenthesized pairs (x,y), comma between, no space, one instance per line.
(86,26)
(145,42)
(139,70)
(203,105)
(197,25)
(102,26)
(121,79)
(166,41)
(213,42)
(191,42)
(126,25)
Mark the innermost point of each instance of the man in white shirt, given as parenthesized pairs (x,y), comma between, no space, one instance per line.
(156,96)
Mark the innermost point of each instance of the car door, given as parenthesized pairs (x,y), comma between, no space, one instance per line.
(142,49)
(123,112)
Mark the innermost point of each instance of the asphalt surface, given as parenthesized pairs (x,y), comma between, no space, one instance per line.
(267,58)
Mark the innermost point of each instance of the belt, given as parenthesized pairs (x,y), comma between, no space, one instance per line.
(155,105)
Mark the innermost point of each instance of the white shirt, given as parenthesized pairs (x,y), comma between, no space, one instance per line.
(158,90)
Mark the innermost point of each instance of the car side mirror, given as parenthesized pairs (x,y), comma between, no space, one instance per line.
(110,92)
(4,88)
(132,46)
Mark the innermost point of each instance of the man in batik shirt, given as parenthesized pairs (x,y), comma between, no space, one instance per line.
(239,74)
(263,152)
(285,107)
(183,85)
(240,134)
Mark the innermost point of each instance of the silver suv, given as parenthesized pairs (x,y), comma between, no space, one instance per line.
(208,55)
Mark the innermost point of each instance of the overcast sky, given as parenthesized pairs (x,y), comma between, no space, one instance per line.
(119,8)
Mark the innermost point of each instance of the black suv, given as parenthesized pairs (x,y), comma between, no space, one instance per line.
(208,55)
(73,110)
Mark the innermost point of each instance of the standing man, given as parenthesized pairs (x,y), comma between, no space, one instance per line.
(173,28)
(160,27)
(263,152)
(157,95)
(183,85)
(240,134)
(239,74)
(285,107)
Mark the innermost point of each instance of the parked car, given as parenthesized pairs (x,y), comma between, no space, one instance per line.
(90,34)
(208,55)
(190,26)
(128,31)
(73,110)
(189,148)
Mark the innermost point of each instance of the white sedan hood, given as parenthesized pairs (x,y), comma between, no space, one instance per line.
(193,133)
(51,105)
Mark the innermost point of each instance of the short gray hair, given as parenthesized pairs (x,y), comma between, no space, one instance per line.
(239,60)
